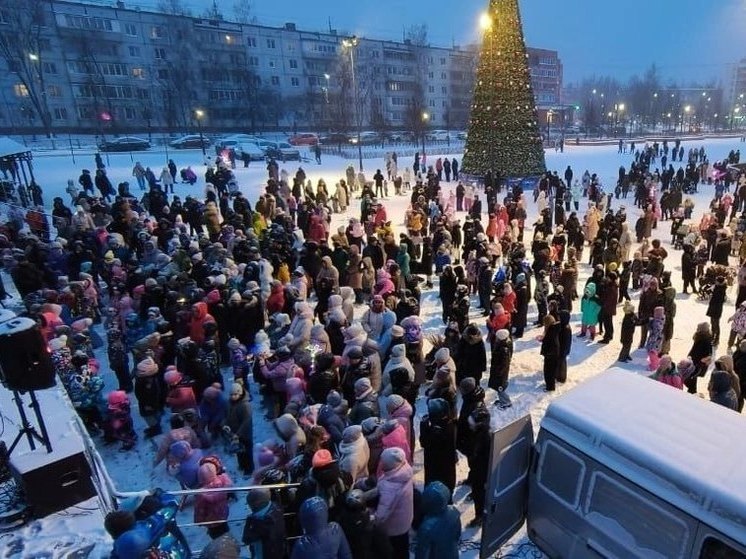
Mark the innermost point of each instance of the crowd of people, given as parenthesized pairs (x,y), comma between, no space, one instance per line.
(207,308)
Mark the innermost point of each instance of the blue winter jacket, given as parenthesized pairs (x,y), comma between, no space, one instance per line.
(321,539)
(440,530)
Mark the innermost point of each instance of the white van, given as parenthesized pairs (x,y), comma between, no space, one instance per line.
(623,466)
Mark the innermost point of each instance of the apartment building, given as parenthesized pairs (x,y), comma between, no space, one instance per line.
(114,69)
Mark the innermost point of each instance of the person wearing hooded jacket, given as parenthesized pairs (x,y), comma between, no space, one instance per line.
(439,532)
(264,530)
(321,539)
(354,453)
(239,426)
(150,394)
(721,390)
(212,507)
(200,316)
(438,441)
(502,354)
(398,359)
(395,510)
(300,327)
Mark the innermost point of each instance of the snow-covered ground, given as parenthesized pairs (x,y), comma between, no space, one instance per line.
(133,470)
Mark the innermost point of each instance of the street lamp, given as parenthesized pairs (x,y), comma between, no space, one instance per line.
(351,44)
(327,77)
(425,119)
(550,114)
(485,21)
(33,57)
(687,110)
(199,114)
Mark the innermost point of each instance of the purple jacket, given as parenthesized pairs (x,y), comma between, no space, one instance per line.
(278,373)
(396,501)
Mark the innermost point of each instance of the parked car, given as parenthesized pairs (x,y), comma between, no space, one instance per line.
(254,152)
(438,135)
(233,140)
(283,151)
(125,143)
(401,136)
(335,138)
(304,139)
(190,141)
(369,138)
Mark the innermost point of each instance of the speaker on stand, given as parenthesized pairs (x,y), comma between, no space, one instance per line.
(25,366)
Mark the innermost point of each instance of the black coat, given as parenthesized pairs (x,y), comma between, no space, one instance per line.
(471,358)
(521,306)
(502,353)
(721,251)
(715,307)
(688,265)
(269,529)
(438,440)
(464,435)
(150,394)
(629,323)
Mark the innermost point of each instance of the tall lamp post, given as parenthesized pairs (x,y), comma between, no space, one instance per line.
(425,119)
(199,114)
(351,44)
(687,110)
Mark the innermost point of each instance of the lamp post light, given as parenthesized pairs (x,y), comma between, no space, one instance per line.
(687,110)
(351,44)
(425,119)
(199,114)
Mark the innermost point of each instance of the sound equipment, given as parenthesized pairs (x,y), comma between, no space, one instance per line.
(53,486)
(52,476)
(25,363)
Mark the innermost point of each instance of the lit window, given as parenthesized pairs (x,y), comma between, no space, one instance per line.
(20,90)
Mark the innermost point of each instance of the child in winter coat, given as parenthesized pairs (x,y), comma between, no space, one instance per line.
(638,267)
(180,396)
(118,420)
(239,361)
(654,342)
(264,531)
(183,463)
(667,373)
(590,306)
(118,358)
(212,507)
(629,323)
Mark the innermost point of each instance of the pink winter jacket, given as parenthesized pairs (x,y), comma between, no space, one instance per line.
(397,438)
(395,509)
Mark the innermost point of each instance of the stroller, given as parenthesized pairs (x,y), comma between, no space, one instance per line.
(681,232)
(707,280)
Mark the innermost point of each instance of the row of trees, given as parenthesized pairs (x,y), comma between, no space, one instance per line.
(644,102)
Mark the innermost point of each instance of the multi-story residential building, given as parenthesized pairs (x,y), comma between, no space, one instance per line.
(112,69)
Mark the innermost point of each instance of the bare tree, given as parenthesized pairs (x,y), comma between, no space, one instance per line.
(21,48)
(173,7)
(243,11)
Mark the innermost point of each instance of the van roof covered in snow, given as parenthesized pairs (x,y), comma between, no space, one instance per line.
(685,450)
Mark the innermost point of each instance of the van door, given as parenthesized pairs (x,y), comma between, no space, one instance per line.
(507,489)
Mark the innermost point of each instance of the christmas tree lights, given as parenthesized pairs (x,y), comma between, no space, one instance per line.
(503,129)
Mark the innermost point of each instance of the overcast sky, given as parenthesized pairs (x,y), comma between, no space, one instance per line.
(687,39)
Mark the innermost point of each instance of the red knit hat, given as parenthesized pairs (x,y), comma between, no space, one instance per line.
(321,458)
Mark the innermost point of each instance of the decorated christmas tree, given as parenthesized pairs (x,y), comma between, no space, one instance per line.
(503,130)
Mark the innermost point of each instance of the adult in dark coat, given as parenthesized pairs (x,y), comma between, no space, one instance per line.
(715,308)
(239,424)
(502,353)
(472,398)
(438,440)
(519,318)
(565,345)
(721,250)
(689,268)
(471,356)
(609,297)
(367,541)
(550,350)
(439,533)
(700,355)
(479,458)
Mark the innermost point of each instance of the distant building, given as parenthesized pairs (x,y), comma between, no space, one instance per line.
(112,69)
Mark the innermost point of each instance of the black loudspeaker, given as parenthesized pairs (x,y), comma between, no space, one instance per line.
(50,487)
(25,363)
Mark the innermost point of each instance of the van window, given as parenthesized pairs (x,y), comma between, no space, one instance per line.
(713,548)
(561,473)
(633,518)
